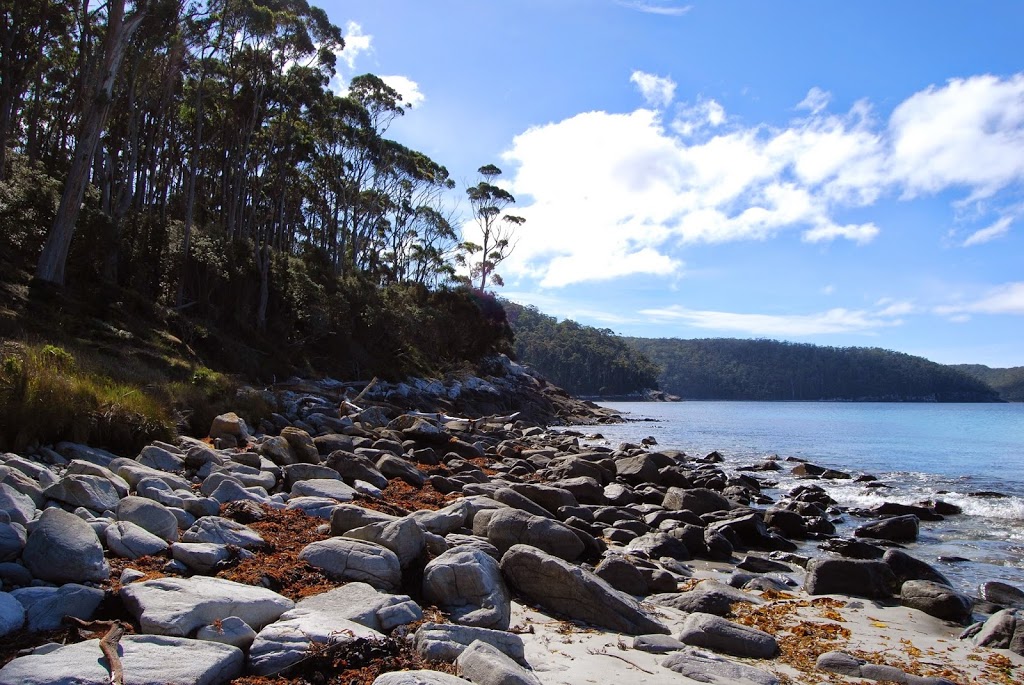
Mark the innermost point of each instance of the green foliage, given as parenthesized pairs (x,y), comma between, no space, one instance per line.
(582,359)
(46,396)
(732,369)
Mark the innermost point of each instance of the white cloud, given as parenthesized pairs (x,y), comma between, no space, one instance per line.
(984,235)
(792,325)
(828,289)
(662,7)
(1004,299)
(816,100)
(407,88)
(657,91)
(614,194)
(356,43)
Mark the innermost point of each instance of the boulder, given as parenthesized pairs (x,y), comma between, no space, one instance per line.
(125,539)
(301,445)
(352,467)
(396,467)
(149,515)
(178,606)
(63,548)
(709,597)
(19,507)
(1002,594)
(714,670)
(231,631)
(936,600)
(404,537)
(200,557)
(570,590)
(288,640)
(344,559)
(12,541)
(223,531)
(906,567)
(445,641)
(508,527)
(146,660)
(442,521)
(337,490)
(483,664)
(697,500)
(229,424)
(872,579)
(161,459)
(622,575)
(92,492)
(418,678)
(12,614)
(721,635)
(896,529)
(345,517)
(467,584)
(46,607)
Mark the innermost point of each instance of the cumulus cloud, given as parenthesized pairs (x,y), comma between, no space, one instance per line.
(984,235)
(663,7)
(657,91)
(356,43)
(1004,299)
(787,325)
(407,88)
(612,194)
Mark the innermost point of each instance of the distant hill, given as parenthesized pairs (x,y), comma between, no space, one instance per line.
(584,360)
(1009,383)
(732,369)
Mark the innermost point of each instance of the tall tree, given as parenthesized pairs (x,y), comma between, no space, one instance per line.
(497,230)
(95,109)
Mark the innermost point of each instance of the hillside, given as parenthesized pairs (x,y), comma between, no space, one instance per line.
(1009,383)
(731,369)
(582,359)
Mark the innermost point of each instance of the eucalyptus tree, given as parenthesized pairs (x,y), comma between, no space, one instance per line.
(95,107)
(497,230)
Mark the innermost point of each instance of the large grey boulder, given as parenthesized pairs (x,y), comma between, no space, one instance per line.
(63,548)
(223,531)
(19,506)
(161,459)
(345,517)
(1003,630)
(1002,594)
(936,600)
(467,584)
(12,614)
(352,467)
(483,664)
(396,467)
(404,537)
(709,597)
(125,539)
(336,489)
(508,527)
(294,473)
(906,567)
(697,500)
(146,660)
(200,557)
(231,631)
(312,621)
(344,559)
(855,667)
(46,607)
(622,575)
(178,606)
(721,635)
(575,592)
(445,641)
(150,515)
(301,445)
(714,670)
(92,492)
(443,521)
(862,578)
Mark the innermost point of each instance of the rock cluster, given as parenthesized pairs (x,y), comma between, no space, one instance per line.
(595,534)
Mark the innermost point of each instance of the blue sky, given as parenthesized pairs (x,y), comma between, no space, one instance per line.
(835,173)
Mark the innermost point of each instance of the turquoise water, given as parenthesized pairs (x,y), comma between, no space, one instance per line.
(921,450)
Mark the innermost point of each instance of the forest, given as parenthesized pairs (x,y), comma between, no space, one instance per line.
(201,156)
(584,360)
(732,369)
(1009,383)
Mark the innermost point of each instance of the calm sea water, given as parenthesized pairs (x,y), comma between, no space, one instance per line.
(921,451)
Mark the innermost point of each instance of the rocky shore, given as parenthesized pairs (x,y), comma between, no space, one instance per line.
(435,532)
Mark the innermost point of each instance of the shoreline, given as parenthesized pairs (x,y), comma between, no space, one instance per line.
(485,500)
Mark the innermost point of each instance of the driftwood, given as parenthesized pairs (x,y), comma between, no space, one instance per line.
(109,643)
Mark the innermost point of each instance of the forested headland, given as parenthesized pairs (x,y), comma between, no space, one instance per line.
(732,369)
(1009,383)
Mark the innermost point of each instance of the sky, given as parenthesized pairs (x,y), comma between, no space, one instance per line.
(844,174)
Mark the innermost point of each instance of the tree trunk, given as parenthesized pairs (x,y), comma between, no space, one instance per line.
(96,107)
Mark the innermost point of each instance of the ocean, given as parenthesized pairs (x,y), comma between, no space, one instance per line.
(953,452)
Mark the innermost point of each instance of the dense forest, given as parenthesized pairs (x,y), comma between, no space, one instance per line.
(732,369)
(1009,383)
(200,156)
(584,360)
